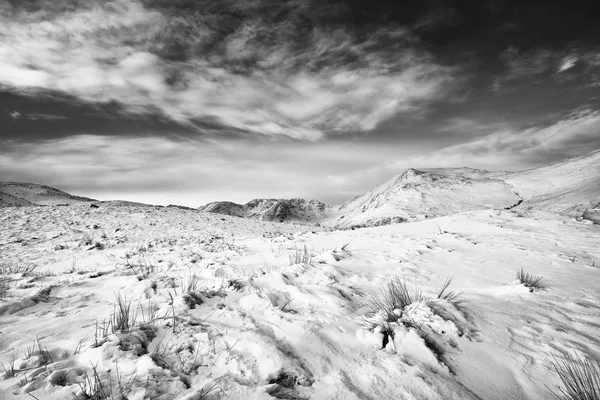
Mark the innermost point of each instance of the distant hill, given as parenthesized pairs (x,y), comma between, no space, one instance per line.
(571,186)
(413,195)
(426,193)
(281,210)
(31,194)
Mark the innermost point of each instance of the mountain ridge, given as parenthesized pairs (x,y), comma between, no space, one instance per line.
(570,186)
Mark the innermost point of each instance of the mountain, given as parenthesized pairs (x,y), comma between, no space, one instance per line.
(413,195)
(571,186)
(281,210)
(426,193)
(31,194)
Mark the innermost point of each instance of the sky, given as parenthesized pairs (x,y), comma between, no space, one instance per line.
(187,102)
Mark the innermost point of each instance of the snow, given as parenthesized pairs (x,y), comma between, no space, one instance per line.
(260,325)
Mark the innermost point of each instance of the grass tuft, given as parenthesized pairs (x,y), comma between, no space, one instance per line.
(10,371)
(300,256)
(580,378)
(395,296)
(530,281)
(450,296)
(92,387)
(123,317)
(281,392)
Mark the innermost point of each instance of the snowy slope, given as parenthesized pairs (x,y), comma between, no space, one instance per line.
(419,194)
(30,193)
(571,186)
(413,195)
(10,200)
(222,306)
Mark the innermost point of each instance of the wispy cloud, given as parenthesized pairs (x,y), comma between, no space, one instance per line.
(511,148)
(35,116)
(255,77)
(524,68)
(189,172)
(497,147)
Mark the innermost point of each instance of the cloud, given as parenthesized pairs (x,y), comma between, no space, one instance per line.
(248,75)
(544,65)
(511,149)
(502,147)
(189,172)
(35,116)
(522,68)
(567,62)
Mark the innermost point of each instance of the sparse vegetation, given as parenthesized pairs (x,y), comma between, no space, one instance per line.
(300,256)
(121,320)
(393,299)
(123,317)
(37,350)
(10,370)
(580,378)
(281,301)
(92,387)
(282,392)
(4,287)
(450,296)
(530,281)
(24,269)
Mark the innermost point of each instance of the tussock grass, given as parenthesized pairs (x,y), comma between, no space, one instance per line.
(530,281)
(123,317)
(580,378)
(21,268)
(10,370)
(395,296)
(209,389)
(281,392)
(37,350)
(190,283)
(92,387)
(4,287)
(281,301)
(300,256)
(450,296)
(121,320)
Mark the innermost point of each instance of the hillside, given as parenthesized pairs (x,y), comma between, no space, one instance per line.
(411,196)
(247,309)
(419,194)
(571,186)
(8,200)
(278,210)
(28,194)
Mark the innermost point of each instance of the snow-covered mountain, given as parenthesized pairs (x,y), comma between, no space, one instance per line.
(571,186)
(279,210)
(28,194)
(411,196)
(420,194)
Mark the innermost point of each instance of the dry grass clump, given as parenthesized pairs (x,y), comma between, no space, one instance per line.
(580,378)
(529,281)
(395,296)
(450,296)
(300,256)
(10,370)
